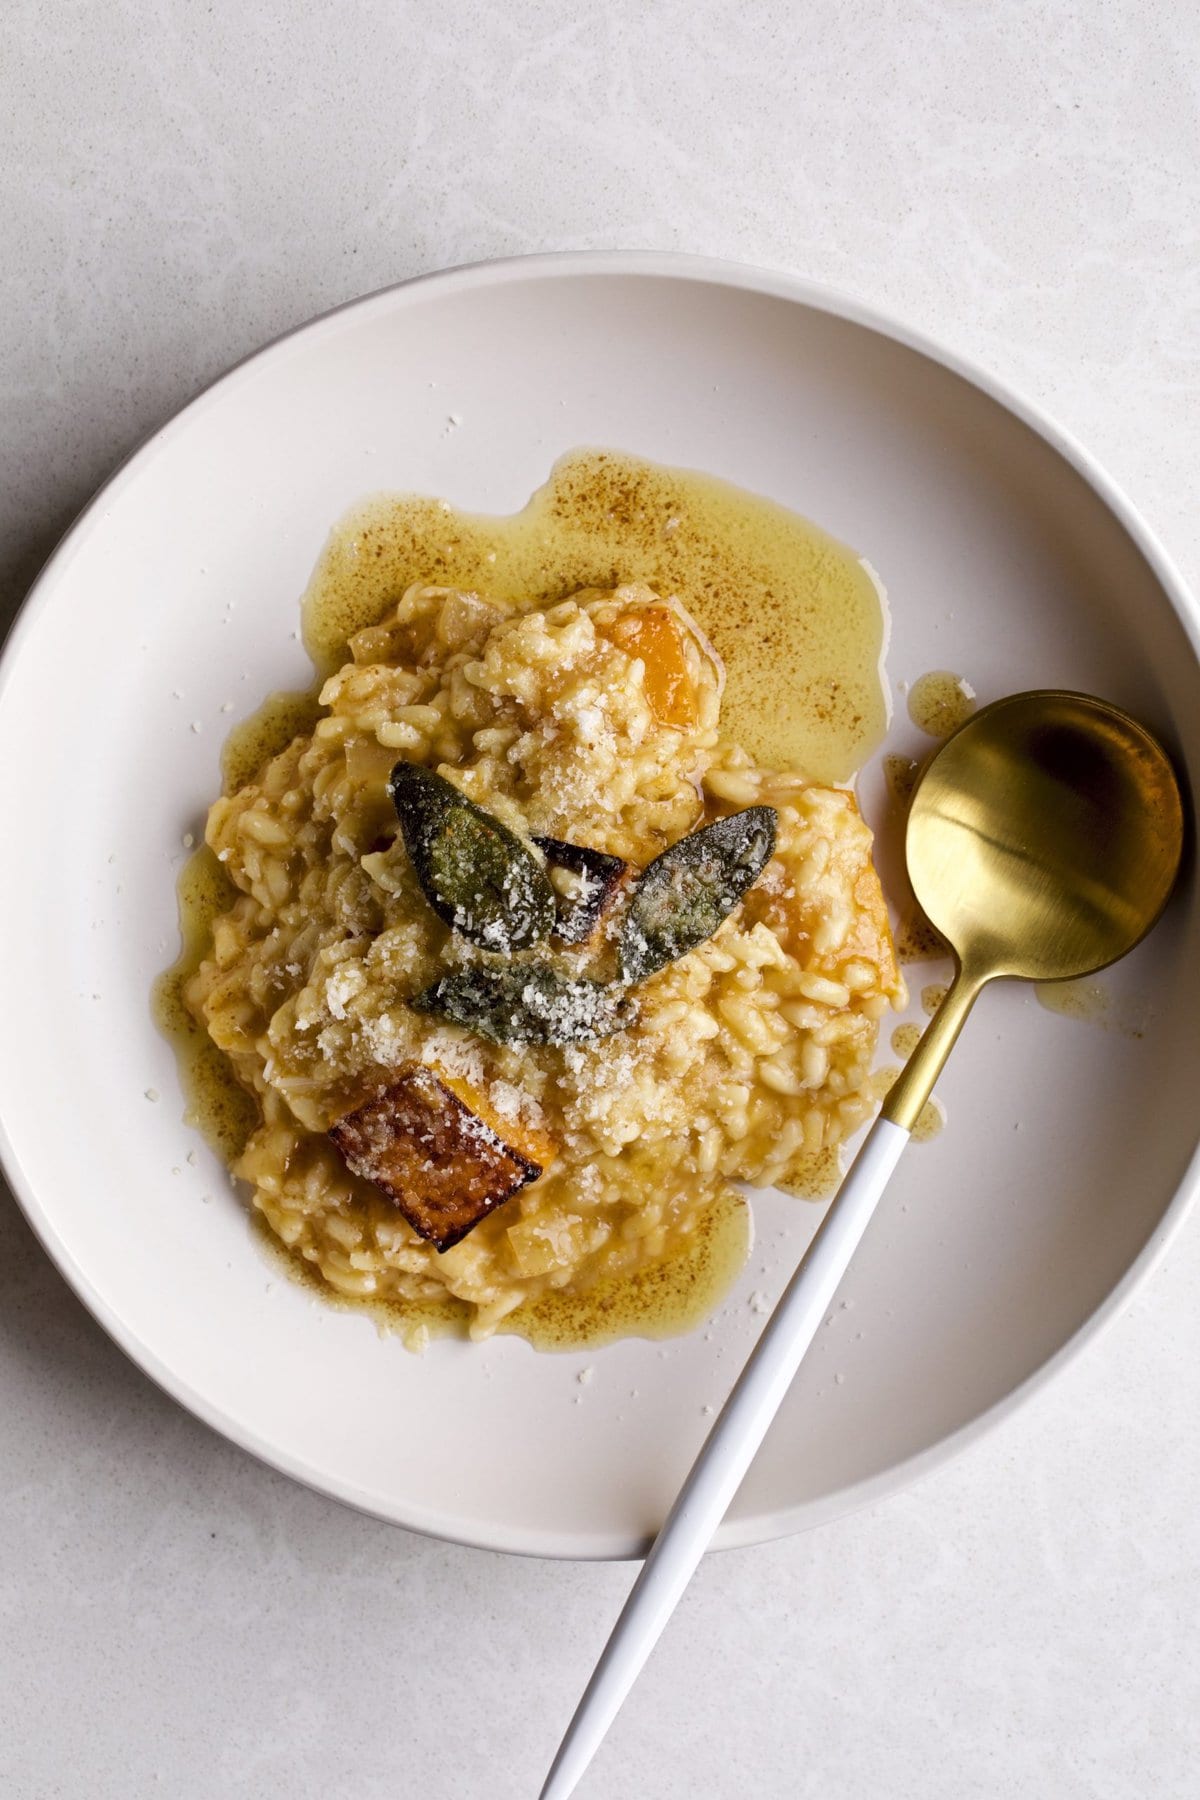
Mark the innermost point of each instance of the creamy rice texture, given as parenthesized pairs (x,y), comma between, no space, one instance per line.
(747,1059)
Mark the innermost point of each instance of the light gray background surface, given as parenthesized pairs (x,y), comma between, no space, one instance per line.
(179,182)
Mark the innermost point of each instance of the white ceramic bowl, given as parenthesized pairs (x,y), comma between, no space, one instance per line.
(1069,1153)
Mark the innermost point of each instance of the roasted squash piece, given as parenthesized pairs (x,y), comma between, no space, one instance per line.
(529,1141)
(654,634)
(796,919)
(441,1155)
(595,881)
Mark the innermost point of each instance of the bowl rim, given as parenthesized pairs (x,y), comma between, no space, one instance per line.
(708,271)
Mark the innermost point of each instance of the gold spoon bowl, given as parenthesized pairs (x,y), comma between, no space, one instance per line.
(1043,841)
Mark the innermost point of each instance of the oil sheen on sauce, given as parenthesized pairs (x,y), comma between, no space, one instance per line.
(663,1300)
(939,702)
(217,1103)
(797,618)
(1080,999)
(932,1115)
(1094,1004)
(282,716)
(800,624)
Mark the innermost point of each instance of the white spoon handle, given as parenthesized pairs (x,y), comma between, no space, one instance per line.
(728,1452)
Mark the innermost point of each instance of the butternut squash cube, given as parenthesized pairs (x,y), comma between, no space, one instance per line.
(654,634)
(440,1152)
(592,883)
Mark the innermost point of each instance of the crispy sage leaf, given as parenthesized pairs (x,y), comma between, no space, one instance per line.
(682,897)
(600,879)
(526,1003)
(475,873)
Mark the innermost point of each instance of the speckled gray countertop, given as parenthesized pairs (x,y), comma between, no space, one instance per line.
(180,182)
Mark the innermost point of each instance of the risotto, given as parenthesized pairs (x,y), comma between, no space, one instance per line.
(451,1106)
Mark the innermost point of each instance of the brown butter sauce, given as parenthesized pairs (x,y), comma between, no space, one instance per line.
(939,702)
(662,1300)
(216,1102)
(932,1115)
(796,616)
(800,625)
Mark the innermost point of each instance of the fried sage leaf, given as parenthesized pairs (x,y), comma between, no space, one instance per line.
(682,897)
(599,879)
(475,873)
(528,1003)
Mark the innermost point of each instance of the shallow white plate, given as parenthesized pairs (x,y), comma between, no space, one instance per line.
(1009,558)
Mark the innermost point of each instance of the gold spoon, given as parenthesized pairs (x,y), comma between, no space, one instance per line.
(1043,841)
